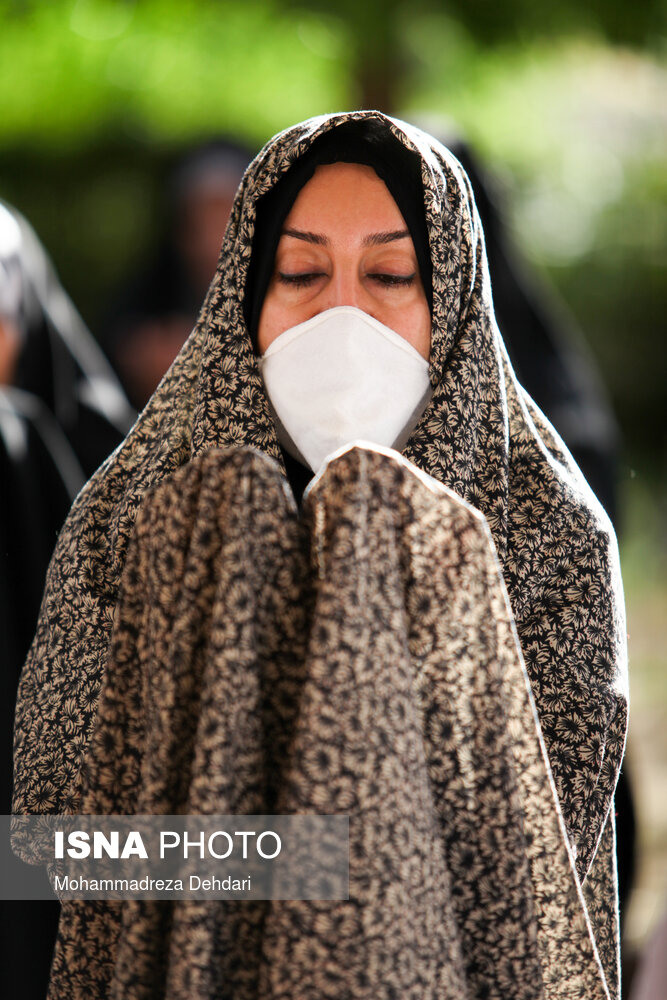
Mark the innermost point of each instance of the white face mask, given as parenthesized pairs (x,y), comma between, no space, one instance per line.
(340,377)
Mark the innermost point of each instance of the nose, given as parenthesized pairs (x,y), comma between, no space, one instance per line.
(345,289)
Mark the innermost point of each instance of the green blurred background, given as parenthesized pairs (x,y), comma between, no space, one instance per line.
(565,103)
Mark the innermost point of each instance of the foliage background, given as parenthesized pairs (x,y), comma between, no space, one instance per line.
(564,102)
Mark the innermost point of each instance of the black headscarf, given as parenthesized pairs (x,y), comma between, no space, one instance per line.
(355,142)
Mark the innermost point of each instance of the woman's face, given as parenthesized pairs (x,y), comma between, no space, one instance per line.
(345,243)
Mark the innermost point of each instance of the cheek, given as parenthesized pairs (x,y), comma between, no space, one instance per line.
(265,330)
(275,318)
(414,324)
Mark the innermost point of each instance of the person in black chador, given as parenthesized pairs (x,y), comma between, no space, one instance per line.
(152,314)
(61,412)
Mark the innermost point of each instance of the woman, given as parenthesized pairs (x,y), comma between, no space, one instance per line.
(358,657)
(57,358)
(153,311)
(61,412)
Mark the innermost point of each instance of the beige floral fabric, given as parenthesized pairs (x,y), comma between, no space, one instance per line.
(480,435)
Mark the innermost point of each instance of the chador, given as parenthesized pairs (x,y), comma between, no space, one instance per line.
(414,620)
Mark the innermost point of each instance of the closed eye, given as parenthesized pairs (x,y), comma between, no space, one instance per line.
(393,279)
(299,280)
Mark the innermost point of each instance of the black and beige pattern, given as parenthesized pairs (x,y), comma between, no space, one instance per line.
(480,436)
(359,659)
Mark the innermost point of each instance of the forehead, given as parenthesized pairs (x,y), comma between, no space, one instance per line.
(345,197)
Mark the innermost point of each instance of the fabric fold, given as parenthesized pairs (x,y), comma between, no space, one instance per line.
(359,659)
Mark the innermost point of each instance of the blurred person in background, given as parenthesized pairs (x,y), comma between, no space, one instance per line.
(60,362)
(272,616)
(41,472)
(155,311)
(61,412)
(548,353)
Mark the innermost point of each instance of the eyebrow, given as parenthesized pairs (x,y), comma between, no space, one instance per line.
(379,239)
(372,240)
